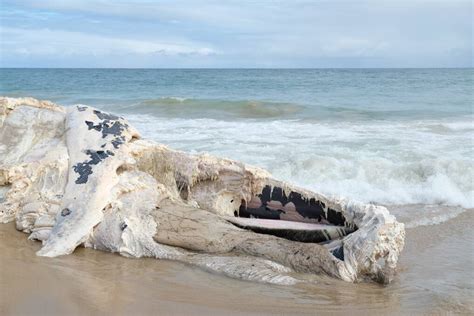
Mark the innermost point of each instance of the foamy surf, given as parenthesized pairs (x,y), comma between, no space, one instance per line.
(418,215)
(391,163)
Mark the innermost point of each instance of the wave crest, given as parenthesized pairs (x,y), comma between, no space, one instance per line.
(381,162)
(215,108)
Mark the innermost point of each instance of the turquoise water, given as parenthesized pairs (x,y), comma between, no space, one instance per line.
(318,94)
(391,136)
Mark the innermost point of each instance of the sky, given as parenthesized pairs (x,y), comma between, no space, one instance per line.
(236,34)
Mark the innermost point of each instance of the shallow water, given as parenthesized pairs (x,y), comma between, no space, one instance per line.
(435,276)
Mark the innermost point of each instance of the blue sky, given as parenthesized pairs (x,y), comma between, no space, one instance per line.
(318,33)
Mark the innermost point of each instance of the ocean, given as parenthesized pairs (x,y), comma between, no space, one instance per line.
(403,138)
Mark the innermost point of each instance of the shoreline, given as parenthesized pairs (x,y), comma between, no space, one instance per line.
(95,282)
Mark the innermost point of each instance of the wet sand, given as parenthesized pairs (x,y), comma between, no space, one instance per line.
(435,276)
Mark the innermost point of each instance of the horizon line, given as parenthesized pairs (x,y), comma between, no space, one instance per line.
(235,68)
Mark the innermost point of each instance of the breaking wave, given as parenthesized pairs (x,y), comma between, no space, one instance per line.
(392,163)
(213,108)
(425,215)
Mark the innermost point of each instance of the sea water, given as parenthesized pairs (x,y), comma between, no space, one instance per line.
(403,138)
(390,136)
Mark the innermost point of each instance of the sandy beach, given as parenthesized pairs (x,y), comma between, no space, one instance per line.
(93,282)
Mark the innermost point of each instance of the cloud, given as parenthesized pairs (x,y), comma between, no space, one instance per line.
(210,12)
(57,42)
(343,47)
(211,33)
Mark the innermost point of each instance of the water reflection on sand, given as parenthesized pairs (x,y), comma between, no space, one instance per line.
(435,275)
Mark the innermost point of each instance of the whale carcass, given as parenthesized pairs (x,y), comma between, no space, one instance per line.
(72,176)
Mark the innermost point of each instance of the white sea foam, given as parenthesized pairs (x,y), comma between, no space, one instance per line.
(425,215)
(373,161)
(179,99)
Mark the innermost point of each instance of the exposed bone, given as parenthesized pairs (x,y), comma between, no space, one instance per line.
(297,231)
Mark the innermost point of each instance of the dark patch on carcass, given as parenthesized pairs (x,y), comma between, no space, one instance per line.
(108,128)
(116,129)
(105,116)
(109,125)
(116,142)
(84,169)
(81,108)
(338,253)
(65,212)
(260,212)
(183,188)
(91,125)
(123,226)
(308,208)
(335,217)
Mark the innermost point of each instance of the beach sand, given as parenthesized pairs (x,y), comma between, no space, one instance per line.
(435,276)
